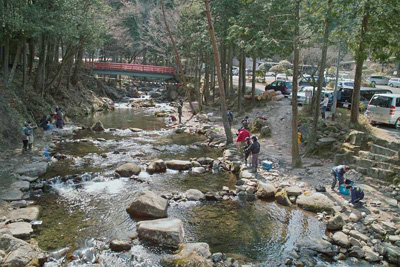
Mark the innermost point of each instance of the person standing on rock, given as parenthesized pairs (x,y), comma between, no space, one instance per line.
(29,134)
(247,153)
(254,149)
(245,123)
(241,140)
(180,106)
(357,194)
(324,105)
(230,117)
(338,174)
(24,137)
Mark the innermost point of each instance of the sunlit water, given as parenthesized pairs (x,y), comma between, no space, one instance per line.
(94,204)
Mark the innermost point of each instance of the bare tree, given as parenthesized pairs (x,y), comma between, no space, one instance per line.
(228,132)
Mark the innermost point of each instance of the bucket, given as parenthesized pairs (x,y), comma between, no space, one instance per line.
(343,190)
(266,165)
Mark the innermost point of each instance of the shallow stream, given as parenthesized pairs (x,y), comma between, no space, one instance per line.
(73,214)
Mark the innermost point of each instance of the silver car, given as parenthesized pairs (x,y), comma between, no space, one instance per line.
(394,82)
(376,79)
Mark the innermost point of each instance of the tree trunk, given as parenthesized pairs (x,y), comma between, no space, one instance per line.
(296,160)
(6,58)
(31,56)
(228,132)
(39,71)
(67,58)
(360,58)
(78,63)
(223,65)
(16,59)
(206,89)
(253,80)
(213,81)
(313,138)
(178,58)
(240,81)
(24,62)
(243,90)
(230,69)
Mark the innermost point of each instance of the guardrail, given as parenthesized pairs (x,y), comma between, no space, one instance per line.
(129,67)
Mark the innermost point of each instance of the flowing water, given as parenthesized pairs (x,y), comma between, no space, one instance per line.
(87,202)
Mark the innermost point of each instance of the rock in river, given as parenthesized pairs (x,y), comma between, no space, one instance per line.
(165,232)
(265,190)
(282,198)
(26,214)
(341,239)
(294,191)
(335,223)
(156,166)
(189,255)
(33,169)
(315,202)
(179,165)
(119,245)
(128,169)
(20,229)
(198,170)
(194,194)
(97,127)
(148,205)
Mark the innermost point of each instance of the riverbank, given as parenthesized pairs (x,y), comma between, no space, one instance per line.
(143,140)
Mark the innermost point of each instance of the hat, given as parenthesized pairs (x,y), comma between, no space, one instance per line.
(254,137)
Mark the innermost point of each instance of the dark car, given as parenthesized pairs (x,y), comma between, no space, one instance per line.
(284,86)
(345,95)
(308,81)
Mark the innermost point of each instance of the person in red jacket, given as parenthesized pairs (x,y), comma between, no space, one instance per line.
(241,140)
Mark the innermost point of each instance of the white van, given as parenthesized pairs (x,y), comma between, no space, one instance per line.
(384,108)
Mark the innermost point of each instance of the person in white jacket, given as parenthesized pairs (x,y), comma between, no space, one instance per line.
(324,105)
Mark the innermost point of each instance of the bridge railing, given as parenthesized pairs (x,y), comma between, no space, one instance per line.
(129,67)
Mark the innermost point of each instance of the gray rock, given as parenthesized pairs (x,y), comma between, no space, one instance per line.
(378,229)
(265,190)
(195,163)
(294,191)
(394,238)
(218,257)
(26,214)
(119,245)
(179,165)
(28,178)
(282,198)
(136,130)
(356,252)
(341,239)
(128,169)
(246,174)
(34,169)
(156,166)
(98,127)
(198,170)
(392,253)
(335,223)
(355,242)
(20,229)
(12,194)
(356,234)
(165,232)
(315,202)
(148,205)
(189,255)
(205,161)
(194,194)
(370,255)
(355,216)
(318,245)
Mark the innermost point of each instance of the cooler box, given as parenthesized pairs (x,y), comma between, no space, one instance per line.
(343,190)
(266,165)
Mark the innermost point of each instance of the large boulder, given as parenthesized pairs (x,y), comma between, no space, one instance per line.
(20,253)
(335,223)
(12,194)
(194,194)
(128,169)
(341,239)
(26,214)
(294,191)
(148,205)
(20,229)
(189,255)
(318,245)
(315,202)
(33,169)
(179,165)
(98,127)
(156,166)
(282,198)
(165,232)
(265,190)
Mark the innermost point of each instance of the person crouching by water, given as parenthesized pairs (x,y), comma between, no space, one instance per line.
(254,149)
(338,174)
(241,140)
(247,153)
(357,194)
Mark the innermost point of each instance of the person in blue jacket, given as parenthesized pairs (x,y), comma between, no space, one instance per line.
(338,174)
(357,194)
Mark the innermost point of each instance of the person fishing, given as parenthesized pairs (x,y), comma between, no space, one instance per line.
(254,149)
(338,175)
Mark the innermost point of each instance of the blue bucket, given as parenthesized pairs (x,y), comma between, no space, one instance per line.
(266,165)
(343,190)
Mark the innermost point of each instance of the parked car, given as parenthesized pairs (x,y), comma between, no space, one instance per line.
(375,79)
(384,108)
(308,91)
(345,95)
(281,77)
(309,81)
(235,71)
(270,74)
(284,86)
(394,82)
(345,84)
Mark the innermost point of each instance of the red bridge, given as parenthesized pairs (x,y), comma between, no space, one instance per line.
(130,70)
